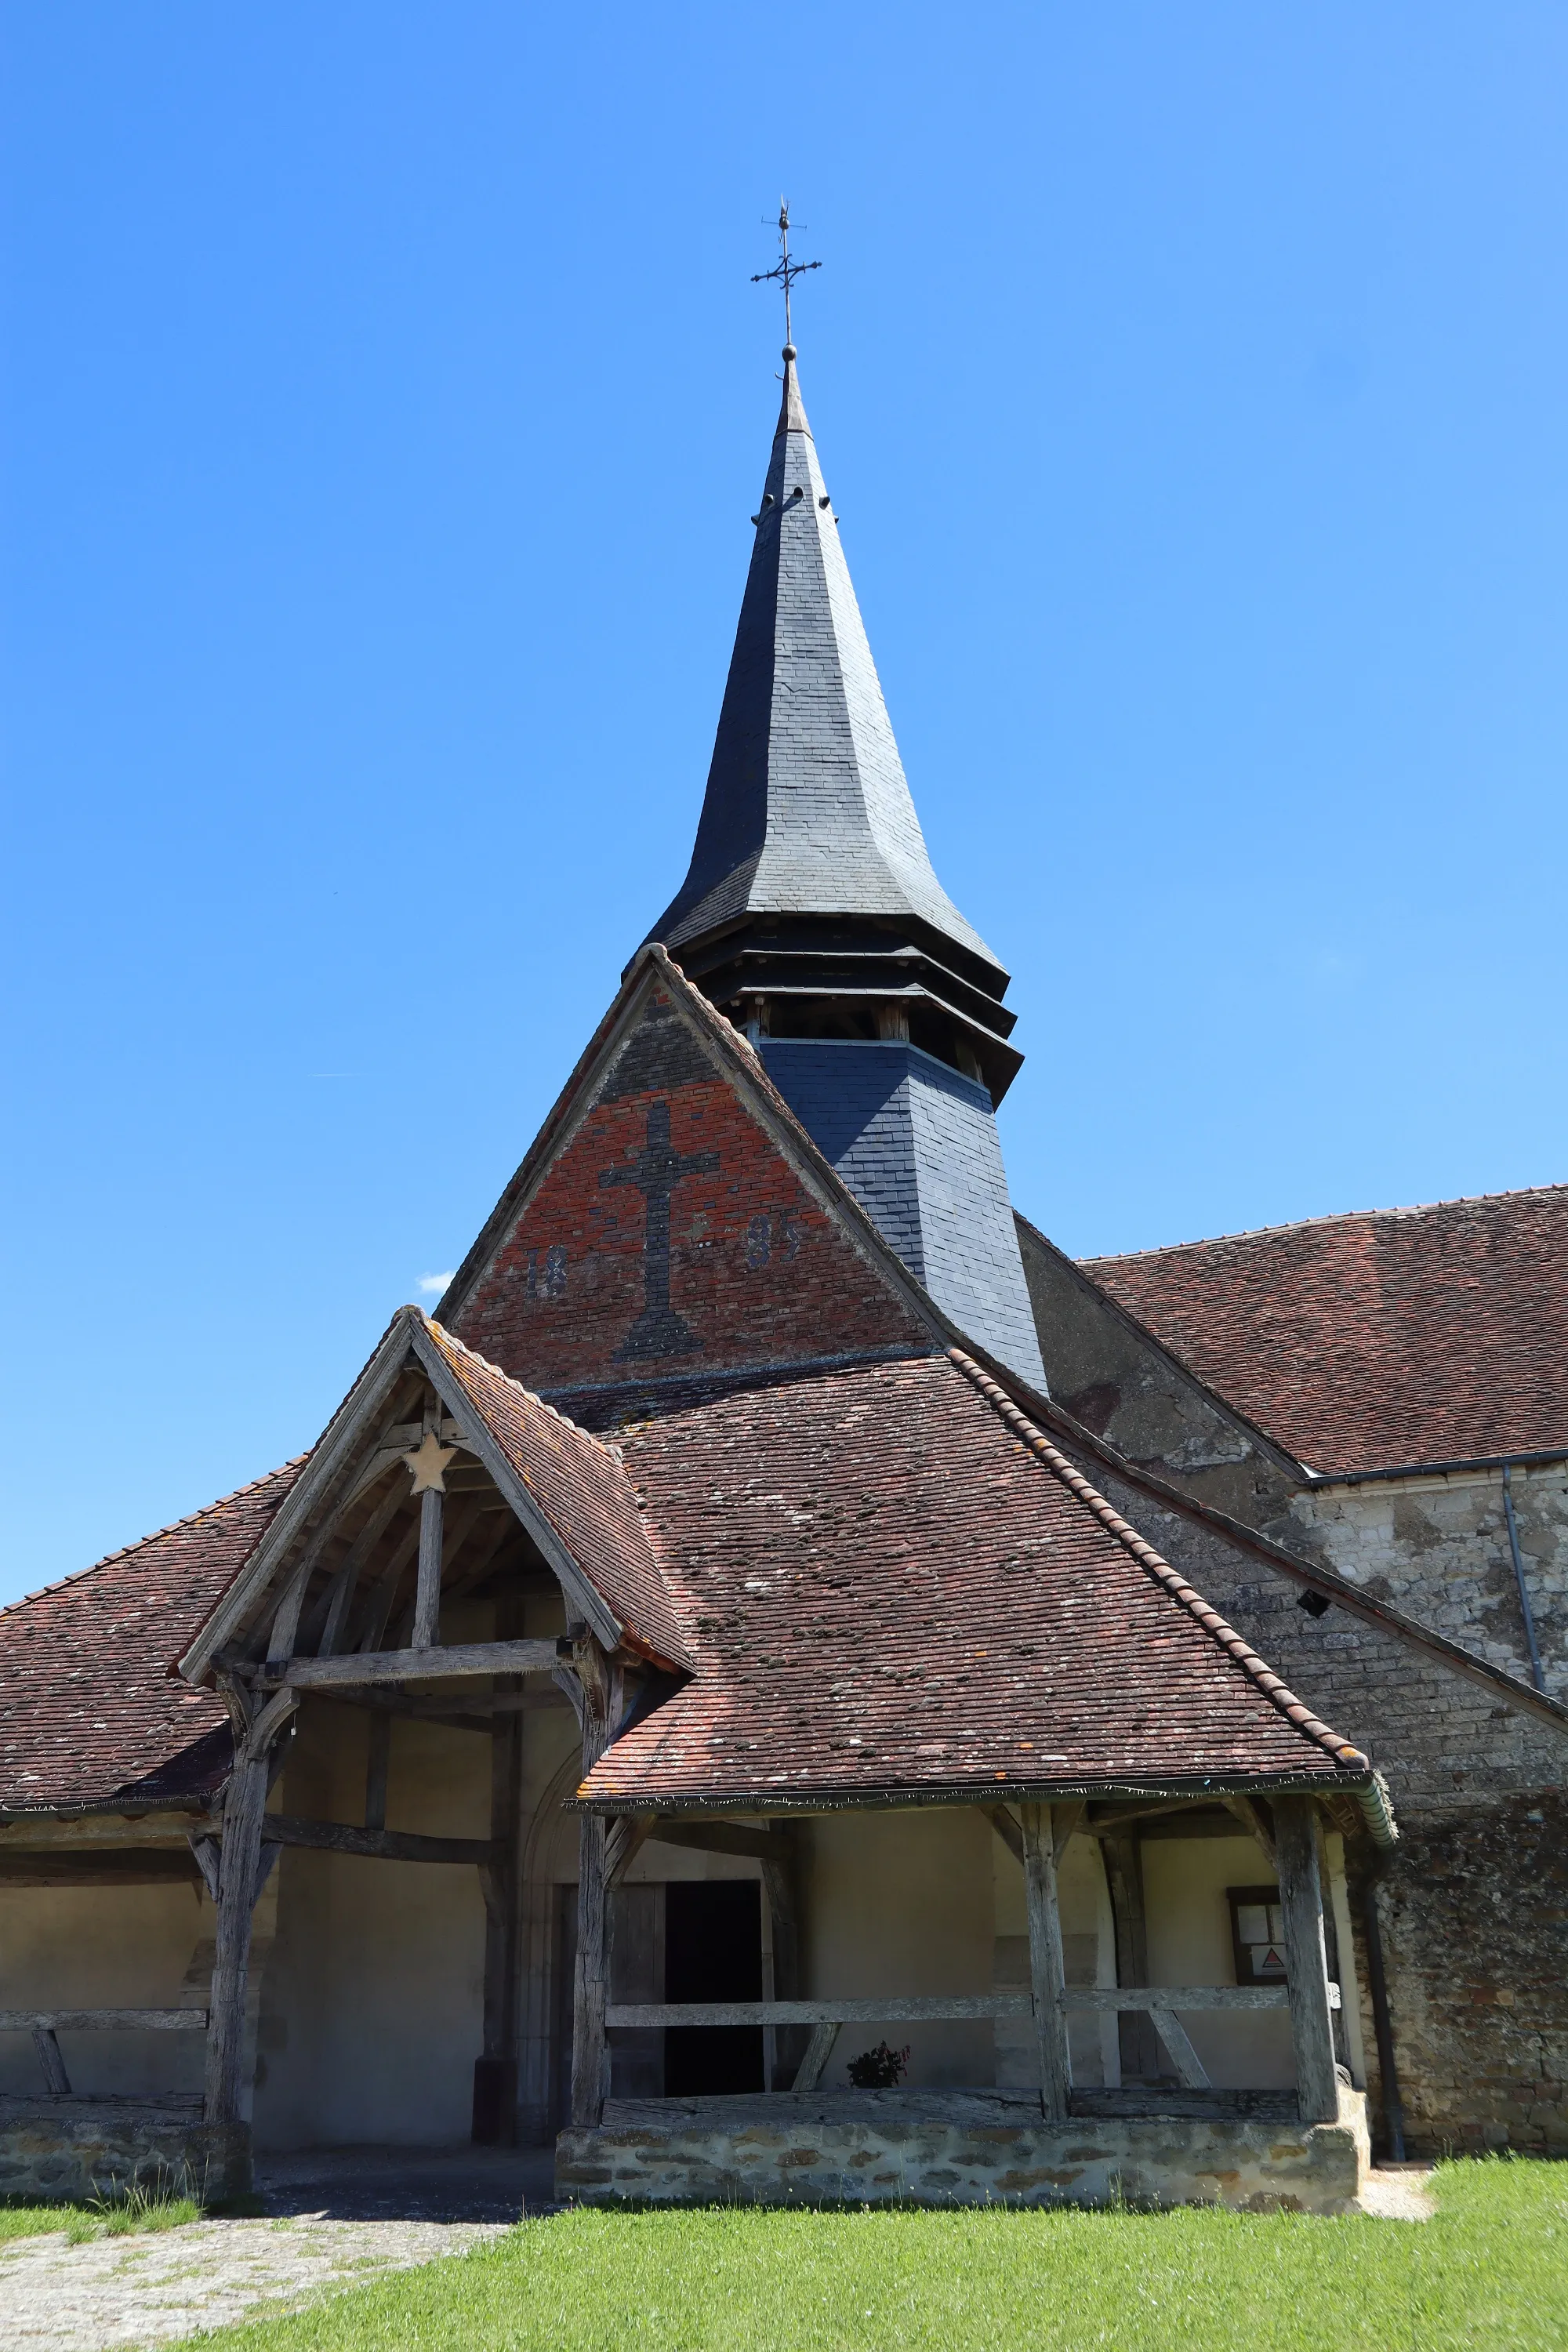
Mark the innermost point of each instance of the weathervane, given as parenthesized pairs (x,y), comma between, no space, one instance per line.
(784,272)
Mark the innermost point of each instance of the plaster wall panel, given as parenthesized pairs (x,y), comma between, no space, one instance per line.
(902,1902)
(103,1948)
(1184,1883)
(372,2013)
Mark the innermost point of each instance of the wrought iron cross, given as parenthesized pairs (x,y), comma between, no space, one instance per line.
(784,272)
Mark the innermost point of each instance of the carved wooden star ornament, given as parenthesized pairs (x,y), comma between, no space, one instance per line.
(429,1460)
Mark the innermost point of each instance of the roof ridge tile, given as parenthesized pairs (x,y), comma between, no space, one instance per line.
(1328,1217)
(1256,1669)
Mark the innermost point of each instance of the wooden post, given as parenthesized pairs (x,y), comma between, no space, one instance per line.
(1047,1979)
(495,2071)
(53,2064)
(780,1891)
(239,1862)
(427,1593)
(378,1756)
(1138,2050)
(600,1685)
(1306,1962)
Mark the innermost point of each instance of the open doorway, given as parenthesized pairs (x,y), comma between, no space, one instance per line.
(712,1951)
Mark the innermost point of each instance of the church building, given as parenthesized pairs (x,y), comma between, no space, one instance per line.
(790,1687)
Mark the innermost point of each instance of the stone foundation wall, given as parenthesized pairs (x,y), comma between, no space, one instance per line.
(71,2150)
(1474,1920)
(890,2147)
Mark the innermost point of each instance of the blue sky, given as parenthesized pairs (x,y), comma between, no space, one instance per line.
(384,401)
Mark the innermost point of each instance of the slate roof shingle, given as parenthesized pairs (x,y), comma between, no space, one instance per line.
(89,1713)
(889,1593)
(1376,1340)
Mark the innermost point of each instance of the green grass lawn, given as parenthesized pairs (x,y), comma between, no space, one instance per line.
(1490,2273)
(105,2218)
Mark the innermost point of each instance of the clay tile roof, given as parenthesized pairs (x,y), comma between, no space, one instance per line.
(1369,1341)
(581,1486)
(895,1587)
(89,1712)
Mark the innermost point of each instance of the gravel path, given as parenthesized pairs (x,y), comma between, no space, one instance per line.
(1399,2193)
(152,2288)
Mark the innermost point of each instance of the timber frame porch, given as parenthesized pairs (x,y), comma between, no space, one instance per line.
(1036,1835)
(341,1604)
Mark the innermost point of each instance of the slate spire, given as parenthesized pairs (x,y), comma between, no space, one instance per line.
(811,907)
(812,917)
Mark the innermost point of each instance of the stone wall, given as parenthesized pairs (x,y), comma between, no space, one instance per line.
(1474,1922)
(1437,1547)
(66,2151)
(886,2148)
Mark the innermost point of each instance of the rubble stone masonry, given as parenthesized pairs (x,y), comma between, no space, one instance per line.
(1437,1547)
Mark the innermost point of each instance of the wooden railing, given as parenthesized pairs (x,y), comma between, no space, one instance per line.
(44,2024)
(827,2018)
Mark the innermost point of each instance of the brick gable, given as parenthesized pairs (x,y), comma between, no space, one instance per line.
(671,1232)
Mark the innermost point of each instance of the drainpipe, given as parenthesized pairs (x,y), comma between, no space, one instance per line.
(1525,1609)
(1382,2023)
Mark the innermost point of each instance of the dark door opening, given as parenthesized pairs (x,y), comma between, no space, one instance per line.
(712,1951)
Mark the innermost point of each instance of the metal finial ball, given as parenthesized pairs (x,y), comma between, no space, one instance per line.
(789,352)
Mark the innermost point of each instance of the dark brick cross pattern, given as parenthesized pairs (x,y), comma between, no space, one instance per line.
(655,1171)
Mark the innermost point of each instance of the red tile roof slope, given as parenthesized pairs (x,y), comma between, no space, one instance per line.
(580,1485)
(1389,1337)
(887,1592)
(88,1710)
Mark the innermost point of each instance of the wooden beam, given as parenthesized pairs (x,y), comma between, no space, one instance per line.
(1305,1960)
(1065,1820)
(1005,1825)
(890,2009)
(286,1616)
(383,1595)
(1189,2066)
(154,1866)
(1180,1997)
(456,1661)
(378,1763)
(819,2051)
(1124,1881)
(345,1578)
(781,1887)
(601,1685)
(722,1837)
(494,2116)
(103,2021)
(427,1592)
(223,2107)
(54,2076)
(1249,1814)
(492,1539)
(627,1838)
(266,1726)
(374,1845)
(1047,1979)
(104,1832)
